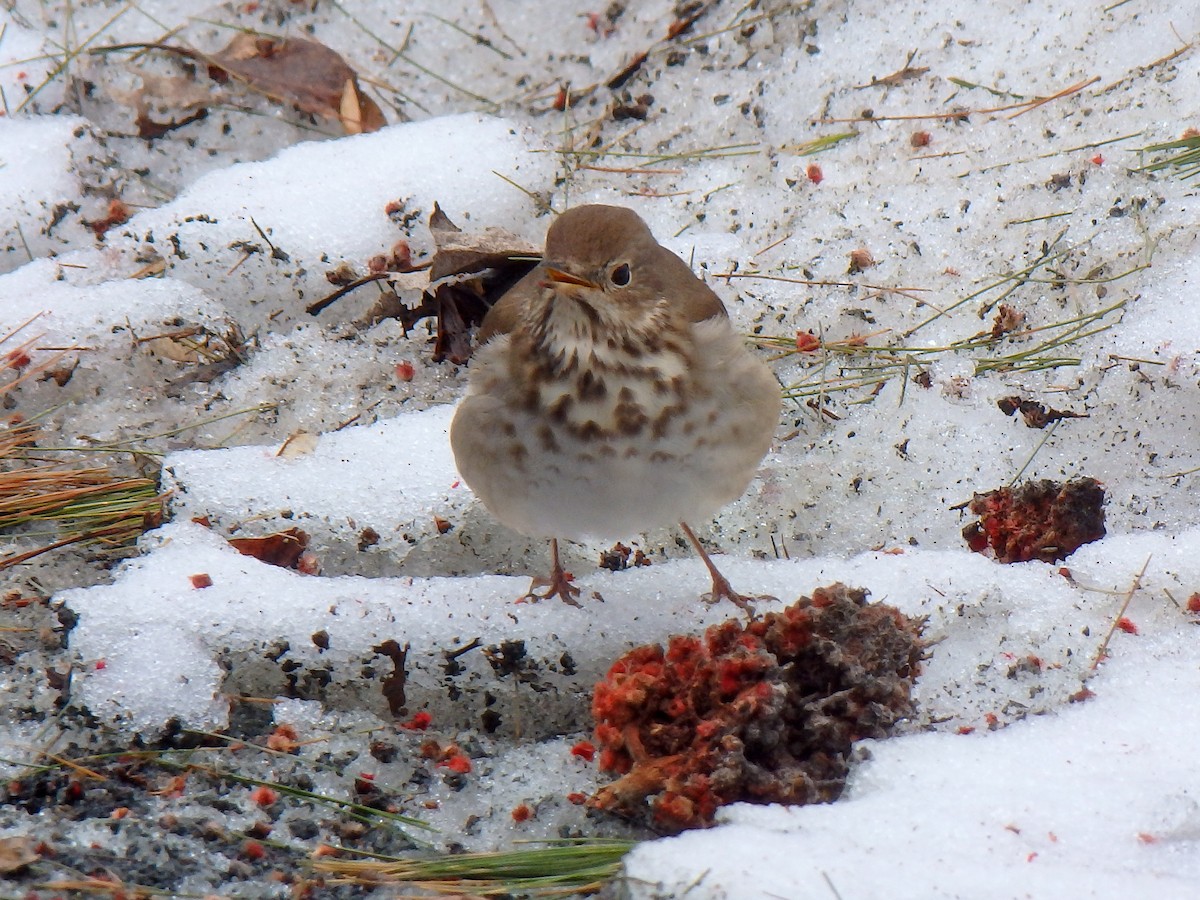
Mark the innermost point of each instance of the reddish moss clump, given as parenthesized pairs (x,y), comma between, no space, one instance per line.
(764,712)
(1045,520)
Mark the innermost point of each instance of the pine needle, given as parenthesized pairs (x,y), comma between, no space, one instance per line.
(571,867)
(1184,163)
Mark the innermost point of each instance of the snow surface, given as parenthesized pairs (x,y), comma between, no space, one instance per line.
(1044,797)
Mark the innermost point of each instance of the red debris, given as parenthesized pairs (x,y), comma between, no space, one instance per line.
(1126,625)
(118,214)
(814,173)
(1045,520)
(283,739)
(419,722)
(458,764)
(584,750)
(763,712)
(203,580)
(522,813)
(807,342)
(264,796)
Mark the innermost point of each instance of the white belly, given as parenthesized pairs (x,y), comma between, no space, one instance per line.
(551,482)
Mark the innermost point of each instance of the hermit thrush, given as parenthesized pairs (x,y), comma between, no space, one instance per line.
(610,395)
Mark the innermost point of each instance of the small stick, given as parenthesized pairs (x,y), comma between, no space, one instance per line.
(1137,583)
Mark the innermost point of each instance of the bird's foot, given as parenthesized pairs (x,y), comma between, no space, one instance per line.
(559,584)
(723,590)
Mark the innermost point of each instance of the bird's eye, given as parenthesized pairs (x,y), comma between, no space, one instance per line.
(621,275)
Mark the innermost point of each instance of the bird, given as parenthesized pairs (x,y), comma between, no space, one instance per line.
(609,394)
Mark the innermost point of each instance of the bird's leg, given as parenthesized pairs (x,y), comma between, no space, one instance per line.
(721,589)
(560,583)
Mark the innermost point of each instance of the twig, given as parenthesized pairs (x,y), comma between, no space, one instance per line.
(1022,108)
(1133,588)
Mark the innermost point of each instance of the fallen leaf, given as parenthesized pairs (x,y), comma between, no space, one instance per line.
(304,73)
(469,273)
(302,443)
(16,853)
(282,548)
(160,95)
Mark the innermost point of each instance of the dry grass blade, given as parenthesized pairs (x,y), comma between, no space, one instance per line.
(1017,109)
(569,868)
(817,145)
(90,505)
(1185,162)
(854,363)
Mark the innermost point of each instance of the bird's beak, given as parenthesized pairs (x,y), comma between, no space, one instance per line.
(556,277)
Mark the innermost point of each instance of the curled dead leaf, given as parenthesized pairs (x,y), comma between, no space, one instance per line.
(282,548)
(16,853)
(304,73)
(469,272)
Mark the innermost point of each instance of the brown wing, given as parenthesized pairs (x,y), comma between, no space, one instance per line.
(503,316)
(691,296)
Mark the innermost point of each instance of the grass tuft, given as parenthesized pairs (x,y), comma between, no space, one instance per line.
(1183,156)
(561,869)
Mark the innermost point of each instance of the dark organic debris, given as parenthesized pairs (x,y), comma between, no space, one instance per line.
(393,685)
(764,712)
(469,272)
(618,558)
(1046,520)
(1035,414)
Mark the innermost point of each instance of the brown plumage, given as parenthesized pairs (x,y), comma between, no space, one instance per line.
(610,394)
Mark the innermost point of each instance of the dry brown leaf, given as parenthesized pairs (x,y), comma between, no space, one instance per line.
(282,548)
(16,853)
(470,272)
(161,94)
(302,443)
(460,252)
(168,347)
(301,72)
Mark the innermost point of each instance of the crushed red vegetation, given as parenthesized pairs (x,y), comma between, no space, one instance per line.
(764,712)
(1046,520)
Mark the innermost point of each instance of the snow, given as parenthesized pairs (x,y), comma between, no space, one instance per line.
(37,181)
(1007,783)
(1081,804)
